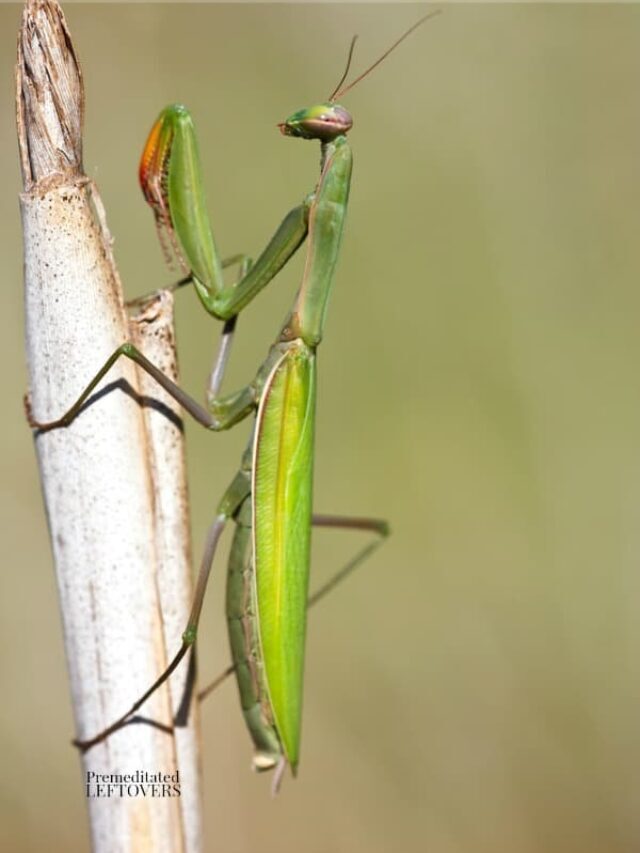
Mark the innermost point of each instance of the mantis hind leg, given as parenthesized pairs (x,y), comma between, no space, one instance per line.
(233,498)
(346,522)
(337,522)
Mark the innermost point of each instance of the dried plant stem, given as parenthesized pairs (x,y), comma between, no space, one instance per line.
(113,481)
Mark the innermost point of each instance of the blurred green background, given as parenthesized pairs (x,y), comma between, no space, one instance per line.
(476,688)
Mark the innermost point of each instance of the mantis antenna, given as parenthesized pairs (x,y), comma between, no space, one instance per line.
(331,97)
(338,92)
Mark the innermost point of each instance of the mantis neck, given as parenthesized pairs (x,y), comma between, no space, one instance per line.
(326,222)
(324,149)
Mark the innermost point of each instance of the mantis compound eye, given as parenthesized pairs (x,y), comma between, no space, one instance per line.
(324,122)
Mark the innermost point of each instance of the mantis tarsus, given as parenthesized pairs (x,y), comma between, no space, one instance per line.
(270,498)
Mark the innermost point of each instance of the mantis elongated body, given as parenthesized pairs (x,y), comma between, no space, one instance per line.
(270,498)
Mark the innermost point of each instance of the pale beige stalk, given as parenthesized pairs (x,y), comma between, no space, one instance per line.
(152,331)
(98,474)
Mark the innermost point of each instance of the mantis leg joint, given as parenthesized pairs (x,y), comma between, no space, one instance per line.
(189,636)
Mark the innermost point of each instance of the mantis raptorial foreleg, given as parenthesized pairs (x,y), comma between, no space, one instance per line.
(170,176)
(244,261)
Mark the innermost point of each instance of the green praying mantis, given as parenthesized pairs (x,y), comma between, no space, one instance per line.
(270,497)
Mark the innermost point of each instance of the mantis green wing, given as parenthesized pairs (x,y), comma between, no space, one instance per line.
(282,496)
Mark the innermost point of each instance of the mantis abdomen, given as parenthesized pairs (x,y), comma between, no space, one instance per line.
(245,644)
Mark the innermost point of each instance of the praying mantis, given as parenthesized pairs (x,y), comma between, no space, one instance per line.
(270,497)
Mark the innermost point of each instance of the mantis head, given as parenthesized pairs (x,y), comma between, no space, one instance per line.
(323,122)
(329,120)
